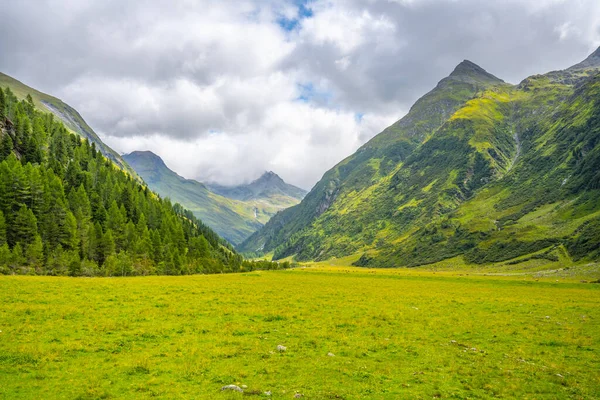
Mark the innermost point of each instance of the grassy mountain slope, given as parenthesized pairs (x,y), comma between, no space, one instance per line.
(376,159)
(504,172)
(67,114)
(234,219)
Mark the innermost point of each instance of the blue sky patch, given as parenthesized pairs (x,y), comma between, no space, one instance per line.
(303,12)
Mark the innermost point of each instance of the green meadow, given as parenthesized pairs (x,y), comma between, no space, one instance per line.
(349,333)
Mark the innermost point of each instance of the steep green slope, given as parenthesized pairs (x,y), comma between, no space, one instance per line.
(509,171)
(66,209)
(376,159)
(67,114)
(234,219)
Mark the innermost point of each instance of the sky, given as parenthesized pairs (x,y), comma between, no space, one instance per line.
(225,90)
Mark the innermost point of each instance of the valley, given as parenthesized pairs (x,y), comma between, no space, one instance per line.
(448,247)
(439,335)
(234,212)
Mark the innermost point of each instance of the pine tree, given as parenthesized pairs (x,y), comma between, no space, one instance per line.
(5,258)
(24,227)
(2,229)
(115,221)
(30,107)
(17,260)
(6,146)
(34,253)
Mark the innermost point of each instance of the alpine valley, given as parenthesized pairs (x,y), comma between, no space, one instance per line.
(479,172)
(233,212)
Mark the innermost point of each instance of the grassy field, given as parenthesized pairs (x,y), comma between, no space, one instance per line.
(391,334)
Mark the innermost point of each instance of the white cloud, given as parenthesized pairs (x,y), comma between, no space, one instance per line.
(222,92)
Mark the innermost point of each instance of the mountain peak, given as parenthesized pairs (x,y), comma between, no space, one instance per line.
(469,71)
(591,62)
(268,176)
(143,153)
(144,160)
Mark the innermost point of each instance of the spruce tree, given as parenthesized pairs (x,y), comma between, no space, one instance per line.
(6,146)
(34,253)
(24,227)
(2,229)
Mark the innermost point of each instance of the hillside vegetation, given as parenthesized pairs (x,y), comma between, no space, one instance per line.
(66,209)
(478,168)
(65,113)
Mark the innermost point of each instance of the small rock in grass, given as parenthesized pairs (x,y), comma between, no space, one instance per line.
(233,387)
(244,387)
(453,341)
(281,348)
(268,393)
(547,317)
(330,355)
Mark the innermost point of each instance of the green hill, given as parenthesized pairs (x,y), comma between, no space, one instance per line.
(477,169)
(233,212)
(67,114)
(66,209)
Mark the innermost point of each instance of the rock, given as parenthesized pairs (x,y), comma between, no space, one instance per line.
(244,387)
(233,387)
(547,317)
(281,348)
(330,355)
(268,393)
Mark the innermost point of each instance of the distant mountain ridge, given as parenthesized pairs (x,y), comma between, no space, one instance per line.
(233,212)
(269,184)
(478,170)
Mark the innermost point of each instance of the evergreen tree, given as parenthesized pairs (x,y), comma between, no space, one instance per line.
(17,260)
(24,227)
(5,258)
(6,146)
(2,229)
(35,253)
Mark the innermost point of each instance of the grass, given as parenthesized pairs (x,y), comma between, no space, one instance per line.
(394,334)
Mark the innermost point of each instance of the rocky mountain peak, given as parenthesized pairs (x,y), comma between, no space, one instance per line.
(591,62)
(469,71)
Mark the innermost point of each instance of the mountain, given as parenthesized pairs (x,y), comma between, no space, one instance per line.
(65,209)
(268,187)
(67,114)
(233,212)
(478,169)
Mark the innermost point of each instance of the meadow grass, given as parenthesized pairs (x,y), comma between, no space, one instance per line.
(394,334)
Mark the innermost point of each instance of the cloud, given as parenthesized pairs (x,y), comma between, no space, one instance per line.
(226,90)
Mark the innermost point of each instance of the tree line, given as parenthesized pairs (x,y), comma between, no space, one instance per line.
(65,209)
